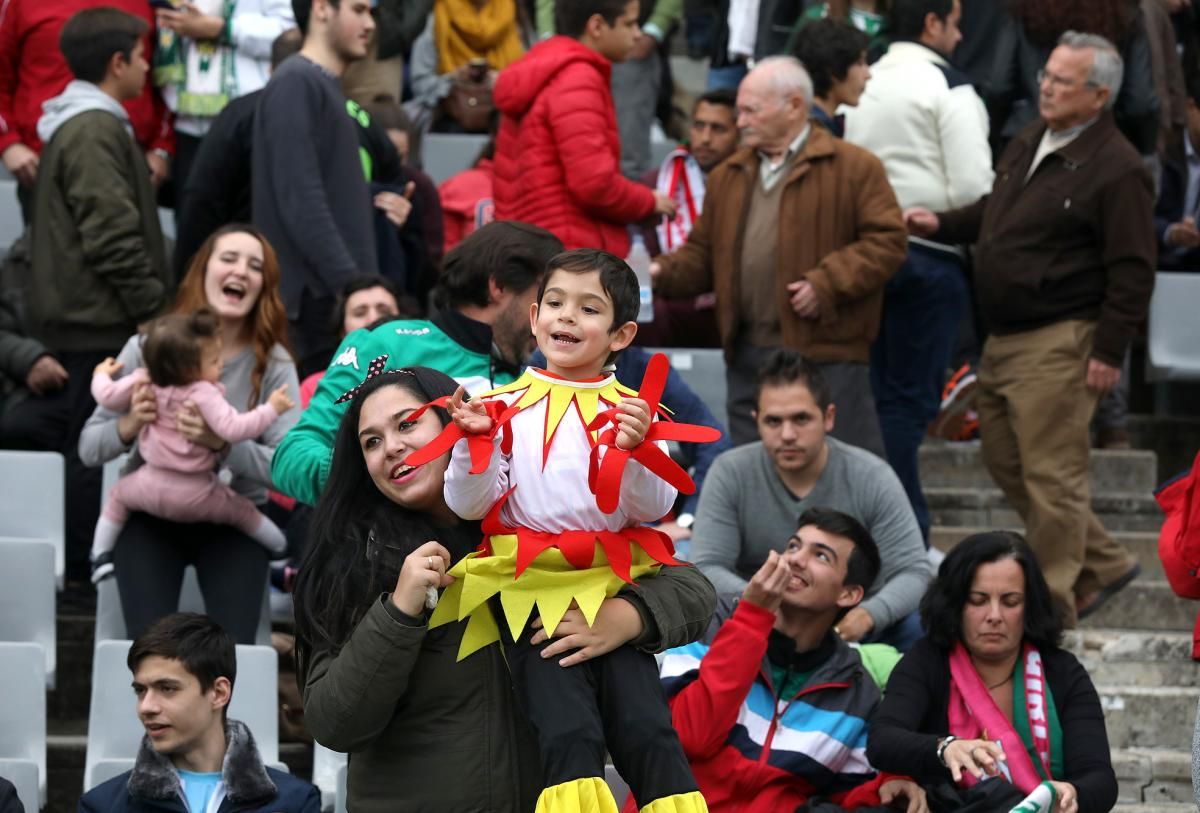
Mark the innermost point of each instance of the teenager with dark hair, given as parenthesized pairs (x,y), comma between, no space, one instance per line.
(378,682)
(193,758)
(753,493)
(310,196)
(773,662)
(99,264)
(558,152)
(835,55)
(990,693)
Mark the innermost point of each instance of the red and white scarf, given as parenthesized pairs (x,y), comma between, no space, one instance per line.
(681,179)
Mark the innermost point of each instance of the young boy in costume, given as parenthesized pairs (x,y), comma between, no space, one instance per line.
(546,465)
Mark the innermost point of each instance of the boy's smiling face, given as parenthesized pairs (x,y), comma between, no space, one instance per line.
(573,325)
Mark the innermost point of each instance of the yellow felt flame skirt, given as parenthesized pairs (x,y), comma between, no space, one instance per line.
(592,795)
(550,582)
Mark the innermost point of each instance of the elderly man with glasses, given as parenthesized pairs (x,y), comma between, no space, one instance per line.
(1064,269)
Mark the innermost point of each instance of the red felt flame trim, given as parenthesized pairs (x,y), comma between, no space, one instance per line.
(479,445)
(604,477)
(579,547)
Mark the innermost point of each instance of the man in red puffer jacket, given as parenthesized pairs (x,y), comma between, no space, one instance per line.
(558,151)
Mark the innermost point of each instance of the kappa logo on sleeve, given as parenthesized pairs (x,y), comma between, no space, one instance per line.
(348,358)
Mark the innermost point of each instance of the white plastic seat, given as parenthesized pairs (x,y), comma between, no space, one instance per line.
(32,502)
(114,732)
(703,370)
(24,776)
(1173,334)
(446,154)
(23,721)
(328,768)
(27,599)
(11,224)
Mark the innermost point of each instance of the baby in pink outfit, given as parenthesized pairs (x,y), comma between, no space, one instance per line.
(179,480)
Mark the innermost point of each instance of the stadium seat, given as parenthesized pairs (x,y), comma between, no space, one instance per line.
(11,224)
(24,776)
(1173,330)
(114,732)
(23,721)
(31,501)
(27,599)
(703,370)
(446,154)
(616,784)
(326,773)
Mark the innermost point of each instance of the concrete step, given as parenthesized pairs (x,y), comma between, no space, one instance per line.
(1149,717)
(1135,658)
(960,465)
(1151,776)
(988,508)
(1145,605)
(1142,544)
(1164,807)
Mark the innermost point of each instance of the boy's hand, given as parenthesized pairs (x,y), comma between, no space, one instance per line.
(664,205)
(469,416)
(633,422)
(766,587)
(280,401)
(109,367)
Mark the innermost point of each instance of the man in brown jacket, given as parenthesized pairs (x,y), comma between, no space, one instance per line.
(1064,268)
(799,233)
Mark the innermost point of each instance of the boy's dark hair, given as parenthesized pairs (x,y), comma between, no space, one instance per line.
(388,114)
(942,606)
(907,21)
(302,10)
(828,48)
(783,367)
(206,650)
(616,278)
(865,562)
(91,37)
(513,254)
(286,44)
(173,346)
(571,16)
(721,96)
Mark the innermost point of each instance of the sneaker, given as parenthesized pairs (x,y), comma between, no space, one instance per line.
(956,419)
(102,567)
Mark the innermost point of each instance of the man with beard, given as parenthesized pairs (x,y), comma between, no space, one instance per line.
(309,193)
(480,337)
(754,493)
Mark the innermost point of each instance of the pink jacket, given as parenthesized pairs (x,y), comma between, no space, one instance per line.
(159,443)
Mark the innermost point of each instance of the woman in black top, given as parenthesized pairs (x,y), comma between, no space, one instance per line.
(989,693)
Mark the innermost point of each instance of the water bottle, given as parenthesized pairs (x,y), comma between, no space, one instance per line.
(639,261)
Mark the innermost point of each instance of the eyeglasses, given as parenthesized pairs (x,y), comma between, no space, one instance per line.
(1062,81)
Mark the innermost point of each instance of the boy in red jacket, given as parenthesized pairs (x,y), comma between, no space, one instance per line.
(558,151)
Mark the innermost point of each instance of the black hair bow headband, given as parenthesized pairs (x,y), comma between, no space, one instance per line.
(374,369)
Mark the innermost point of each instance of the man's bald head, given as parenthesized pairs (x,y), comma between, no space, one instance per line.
(773,104)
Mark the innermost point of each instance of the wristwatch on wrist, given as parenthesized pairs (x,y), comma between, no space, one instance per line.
(941,748)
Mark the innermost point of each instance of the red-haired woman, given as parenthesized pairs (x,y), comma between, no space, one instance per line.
(236,274)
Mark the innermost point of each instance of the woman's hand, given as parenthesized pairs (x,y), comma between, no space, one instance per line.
(1068,799)
(617,623)
(143,410)
(191,424)
(633,422)
(855,625)
(894,789)
(188,21)
(977,757)
(469,416)
(425,567)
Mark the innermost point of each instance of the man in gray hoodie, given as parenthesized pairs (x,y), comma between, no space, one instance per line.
(99,264)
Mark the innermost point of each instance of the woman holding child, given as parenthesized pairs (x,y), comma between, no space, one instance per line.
(236,275)
(988,707)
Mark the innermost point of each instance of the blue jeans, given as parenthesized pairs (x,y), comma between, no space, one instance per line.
(922,305)
(726,78)
(903,635)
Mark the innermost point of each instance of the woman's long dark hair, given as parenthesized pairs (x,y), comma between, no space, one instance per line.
(359,538)
(942,606)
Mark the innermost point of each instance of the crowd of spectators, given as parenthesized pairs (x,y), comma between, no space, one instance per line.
(869,195)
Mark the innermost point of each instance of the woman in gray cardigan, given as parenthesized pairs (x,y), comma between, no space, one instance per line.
(236,274)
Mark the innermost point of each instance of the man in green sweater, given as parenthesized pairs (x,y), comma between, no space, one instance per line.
(480,338)
(753,494)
